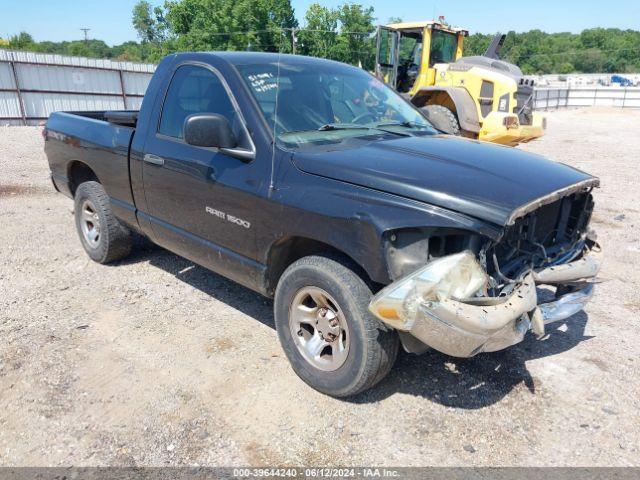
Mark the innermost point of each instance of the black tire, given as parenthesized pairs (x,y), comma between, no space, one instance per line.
(114,240)
(442,118)
(372,346)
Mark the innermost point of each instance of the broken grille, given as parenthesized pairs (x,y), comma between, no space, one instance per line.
(543,236)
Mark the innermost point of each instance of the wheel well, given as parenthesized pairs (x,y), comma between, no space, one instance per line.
(456,99)
(441,98)
(289,249)
(78,173)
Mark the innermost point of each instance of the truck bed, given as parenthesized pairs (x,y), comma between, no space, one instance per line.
(125,118)
(99,140)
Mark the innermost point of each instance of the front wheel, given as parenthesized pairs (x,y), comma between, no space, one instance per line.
(331,339)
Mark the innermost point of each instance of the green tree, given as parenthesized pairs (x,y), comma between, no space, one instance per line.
(319,36)
(21,41)
(344,33)
(356,44)
(232,24)
(150,24)
(152,28)
(476,44)
(592,60)
(129,51)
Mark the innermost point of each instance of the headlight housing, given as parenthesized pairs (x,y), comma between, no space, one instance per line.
(457,276)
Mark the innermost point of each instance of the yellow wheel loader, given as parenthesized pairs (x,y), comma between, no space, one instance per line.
(479,97)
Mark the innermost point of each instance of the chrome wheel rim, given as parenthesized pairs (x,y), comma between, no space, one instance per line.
(319,329)
(90,224)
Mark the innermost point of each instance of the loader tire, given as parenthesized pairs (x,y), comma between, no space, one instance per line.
(442,118)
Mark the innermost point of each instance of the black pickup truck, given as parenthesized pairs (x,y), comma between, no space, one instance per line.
(312,182)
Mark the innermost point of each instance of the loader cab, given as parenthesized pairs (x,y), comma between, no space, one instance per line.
(407,53)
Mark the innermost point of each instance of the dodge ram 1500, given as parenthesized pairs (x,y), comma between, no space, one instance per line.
(312,182)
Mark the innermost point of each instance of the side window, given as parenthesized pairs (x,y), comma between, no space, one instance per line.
(195,89)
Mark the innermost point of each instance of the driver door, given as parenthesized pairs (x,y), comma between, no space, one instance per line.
(199,199)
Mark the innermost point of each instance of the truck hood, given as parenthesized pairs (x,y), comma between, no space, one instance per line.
(486,181)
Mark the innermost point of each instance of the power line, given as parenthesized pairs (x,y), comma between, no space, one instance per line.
(277,30)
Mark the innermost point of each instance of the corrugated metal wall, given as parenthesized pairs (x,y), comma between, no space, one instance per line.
(620,97)
(32,85)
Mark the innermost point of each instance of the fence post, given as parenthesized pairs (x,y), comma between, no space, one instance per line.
(546,107)
(124,93)
(624,98)
(15,80)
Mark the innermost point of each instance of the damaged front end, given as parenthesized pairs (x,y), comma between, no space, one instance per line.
(469,302)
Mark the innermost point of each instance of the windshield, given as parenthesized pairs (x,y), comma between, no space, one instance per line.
(328,103)
(443,47)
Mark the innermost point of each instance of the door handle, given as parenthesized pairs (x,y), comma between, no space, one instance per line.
(153,159)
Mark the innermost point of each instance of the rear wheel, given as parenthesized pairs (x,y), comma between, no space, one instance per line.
(331,339)
(102,235)
(442,118)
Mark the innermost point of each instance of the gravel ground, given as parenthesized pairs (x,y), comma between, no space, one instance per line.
(156,361)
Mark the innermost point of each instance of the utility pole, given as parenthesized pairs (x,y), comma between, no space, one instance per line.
(86,36)
(294,40)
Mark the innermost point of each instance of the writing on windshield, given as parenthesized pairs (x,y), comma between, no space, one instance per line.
(312,103)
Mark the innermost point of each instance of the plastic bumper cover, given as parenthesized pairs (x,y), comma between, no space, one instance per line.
(463,328)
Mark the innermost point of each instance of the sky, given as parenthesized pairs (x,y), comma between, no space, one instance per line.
(110,20)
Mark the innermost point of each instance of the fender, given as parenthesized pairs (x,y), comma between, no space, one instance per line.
(465,106)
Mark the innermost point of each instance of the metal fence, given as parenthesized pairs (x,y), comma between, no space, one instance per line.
(33,85)
(553,98)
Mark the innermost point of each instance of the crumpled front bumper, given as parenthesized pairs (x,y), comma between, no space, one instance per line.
(487,324)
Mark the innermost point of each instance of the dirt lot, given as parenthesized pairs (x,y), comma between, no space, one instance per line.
(155,361)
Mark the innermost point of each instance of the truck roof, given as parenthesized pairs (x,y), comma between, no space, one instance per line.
(260,58)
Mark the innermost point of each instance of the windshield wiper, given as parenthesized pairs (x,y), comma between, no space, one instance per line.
(408,124)
(342,126)
(352,126)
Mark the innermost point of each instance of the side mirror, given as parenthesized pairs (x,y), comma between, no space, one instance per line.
(209,130)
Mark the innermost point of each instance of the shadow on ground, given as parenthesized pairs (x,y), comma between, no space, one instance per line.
(216,286)
(461,383)
(477,382)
